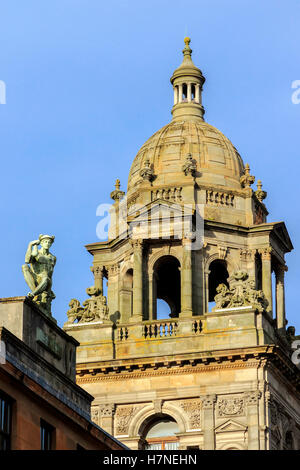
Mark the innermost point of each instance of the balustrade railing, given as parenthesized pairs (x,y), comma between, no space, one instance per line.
(160,329)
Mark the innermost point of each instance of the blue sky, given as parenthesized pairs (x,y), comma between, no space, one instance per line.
(87,82)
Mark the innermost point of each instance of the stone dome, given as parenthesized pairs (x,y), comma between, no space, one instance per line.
(217,160)
(187,140)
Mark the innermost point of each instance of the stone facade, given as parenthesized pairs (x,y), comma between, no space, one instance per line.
(191,230)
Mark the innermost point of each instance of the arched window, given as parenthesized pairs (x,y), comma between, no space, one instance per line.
(160,434)
(166,286)
(218,275)
(184,92)
(193,92)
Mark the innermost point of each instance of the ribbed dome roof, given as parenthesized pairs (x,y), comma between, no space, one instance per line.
(217,160)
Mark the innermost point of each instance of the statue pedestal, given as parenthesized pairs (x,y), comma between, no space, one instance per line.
(21,317)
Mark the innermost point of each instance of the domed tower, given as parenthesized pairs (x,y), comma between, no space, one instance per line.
(182,350)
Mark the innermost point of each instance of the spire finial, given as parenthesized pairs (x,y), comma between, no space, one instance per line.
(187,51)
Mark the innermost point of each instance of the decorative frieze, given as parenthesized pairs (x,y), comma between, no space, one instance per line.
(193,410)
(231,406)
(123,417)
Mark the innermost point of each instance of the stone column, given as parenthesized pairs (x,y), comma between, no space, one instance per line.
(189,92)
(251,400)
(137,280)
(98,276)
(197,93)
(175,95)
(186,279)
(208,407)
(107,415)
(180,93)
(266,255)
(280,298)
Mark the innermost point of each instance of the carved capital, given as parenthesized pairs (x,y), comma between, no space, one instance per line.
(208,401)
(97,271)
(251,398)
(136,243)
(266,253)
(113,269)
(247,254)
(107,410)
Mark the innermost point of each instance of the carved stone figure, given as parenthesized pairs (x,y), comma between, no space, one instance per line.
(189,167)
(241,293)
(39,274)
(75,311)
(223,296)
(93,309)
(246,179)
(147,173)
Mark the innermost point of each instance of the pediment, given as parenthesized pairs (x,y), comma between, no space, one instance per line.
(161,208)
(230,426)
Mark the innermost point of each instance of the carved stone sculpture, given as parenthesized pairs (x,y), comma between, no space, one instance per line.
(259,193)
(246,179)
(117,194)
(92,310)
(147,173)
(189,167)
(38,274)
(241,293)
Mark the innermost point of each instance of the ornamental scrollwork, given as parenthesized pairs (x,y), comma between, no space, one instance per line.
(240,293)
(233,406)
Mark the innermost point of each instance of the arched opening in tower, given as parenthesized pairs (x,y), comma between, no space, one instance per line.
(166,277)
(193,92)
(218,275)
(258,271)
(184,92)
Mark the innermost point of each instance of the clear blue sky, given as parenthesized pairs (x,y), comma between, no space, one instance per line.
(88,82)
